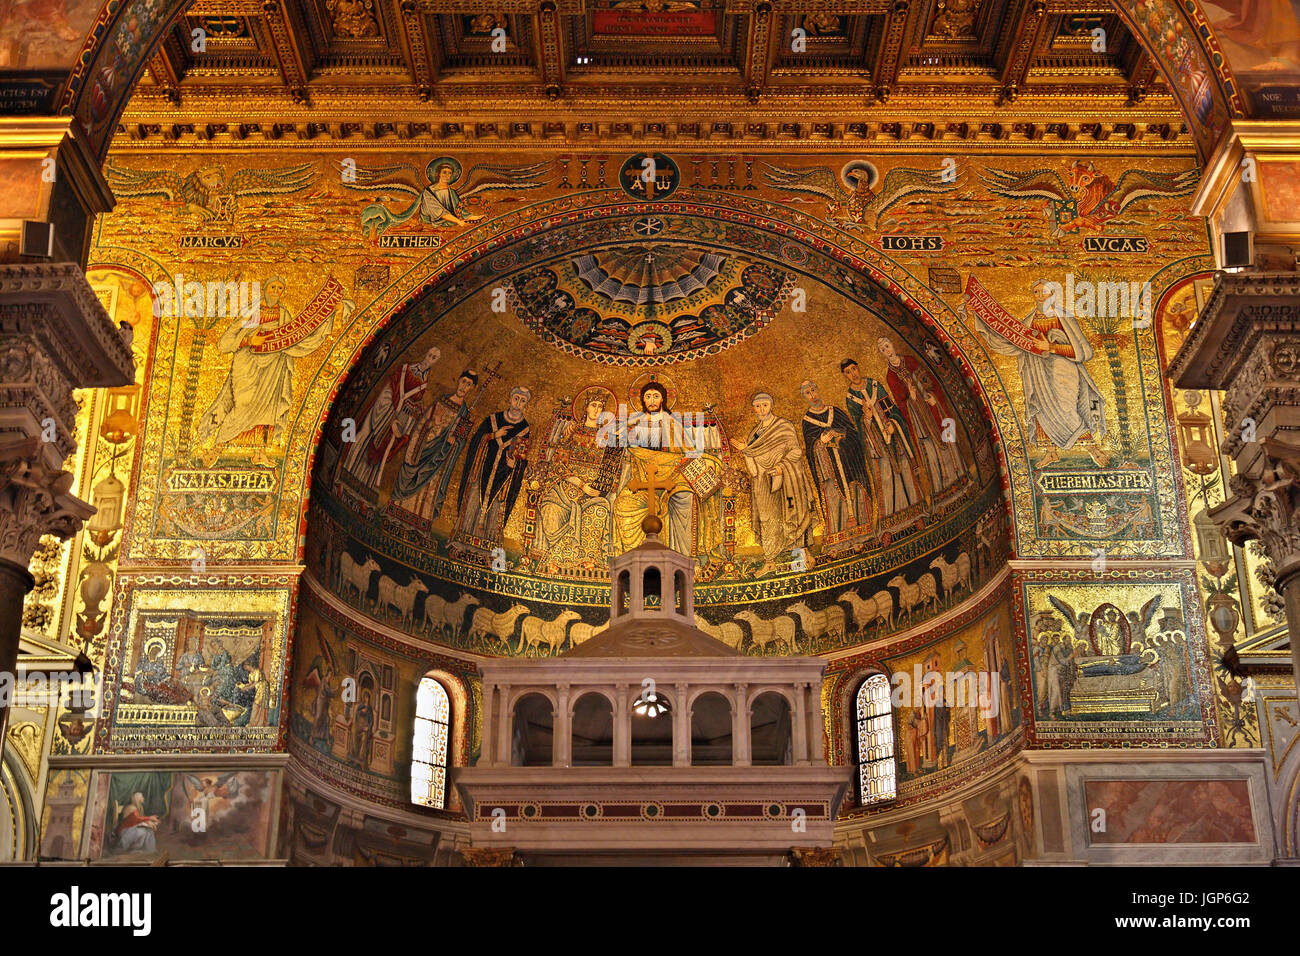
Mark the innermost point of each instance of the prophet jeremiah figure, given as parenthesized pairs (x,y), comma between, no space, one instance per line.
(1063,406)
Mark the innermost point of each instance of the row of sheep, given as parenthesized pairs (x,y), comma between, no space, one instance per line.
(465,617)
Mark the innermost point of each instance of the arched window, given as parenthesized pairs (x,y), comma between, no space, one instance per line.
(877,775)
(429,763)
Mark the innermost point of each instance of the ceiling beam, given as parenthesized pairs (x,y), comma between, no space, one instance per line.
(760,46)
(885,64)
(1026,44)
(423,47)
(285,40)
(164,75)
(549,28)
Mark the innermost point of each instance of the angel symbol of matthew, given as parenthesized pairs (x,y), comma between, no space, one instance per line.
(443,200)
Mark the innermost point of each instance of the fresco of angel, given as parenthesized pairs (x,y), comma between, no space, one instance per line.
(859,196)
(206,192)
(1087,198)
(211,794)
(443,199)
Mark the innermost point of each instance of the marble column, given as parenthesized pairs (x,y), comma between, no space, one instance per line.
(562,748)
(740,713)
(54,337)
(1246,342)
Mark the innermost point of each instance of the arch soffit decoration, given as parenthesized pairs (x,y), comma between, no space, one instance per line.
(126,33)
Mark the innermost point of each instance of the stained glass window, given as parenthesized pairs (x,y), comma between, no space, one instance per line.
(429,766)
(876,769)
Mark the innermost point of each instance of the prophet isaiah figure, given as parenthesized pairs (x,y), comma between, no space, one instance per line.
(257,395)
(836,461)
(1063,406)
(389,419)
(782,502)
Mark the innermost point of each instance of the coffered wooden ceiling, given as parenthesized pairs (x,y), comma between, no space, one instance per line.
(932,69)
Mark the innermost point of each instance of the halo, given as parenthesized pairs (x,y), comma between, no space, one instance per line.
(153,642)
(431,170)
(858,165)
(634,393)
(579,410)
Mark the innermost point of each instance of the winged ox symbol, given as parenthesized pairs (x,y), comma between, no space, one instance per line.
(1086,198)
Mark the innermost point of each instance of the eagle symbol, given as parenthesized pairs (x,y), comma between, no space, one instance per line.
(1086,198)
(852,198)
(206,192)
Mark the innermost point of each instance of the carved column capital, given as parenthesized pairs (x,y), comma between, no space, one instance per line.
(489,856)
(815,856)
(34,500)
(1265,504)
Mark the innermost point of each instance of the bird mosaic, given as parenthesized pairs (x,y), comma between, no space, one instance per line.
(859,195)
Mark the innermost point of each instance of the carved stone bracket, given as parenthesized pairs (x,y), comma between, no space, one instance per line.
(34,500)
(1246,342)
(1265,505)
(815,856)
(54,337)
(489,856)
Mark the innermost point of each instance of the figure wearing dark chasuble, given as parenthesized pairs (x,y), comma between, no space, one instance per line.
(494,471)
(431,455)
(575,513)
(837,461)
(886,438)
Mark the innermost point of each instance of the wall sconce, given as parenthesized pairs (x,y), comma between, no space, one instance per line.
(1195,429)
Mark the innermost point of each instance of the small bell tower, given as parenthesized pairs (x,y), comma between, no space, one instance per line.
(652,581)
